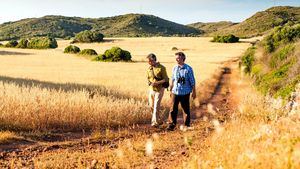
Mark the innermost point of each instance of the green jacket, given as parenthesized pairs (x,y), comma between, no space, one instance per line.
(159,71)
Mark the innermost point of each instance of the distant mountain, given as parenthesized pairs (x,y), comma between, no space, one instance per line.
(129,25)
(263,22)
(211,26)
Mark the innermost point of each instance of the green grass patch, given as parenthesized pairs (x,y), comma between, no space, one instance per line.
(281,54)
(248,59)
(270,82)
(285,91)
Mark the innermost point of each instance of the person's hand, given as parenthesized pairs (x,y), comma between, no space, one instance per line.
(154,84)
(194,95)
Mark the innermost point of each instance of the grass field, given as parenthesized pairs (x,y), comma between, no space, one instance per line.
(50,90)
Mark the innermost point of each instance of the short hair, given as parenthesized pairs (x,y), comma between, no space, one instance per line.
(181,54)
(151,56)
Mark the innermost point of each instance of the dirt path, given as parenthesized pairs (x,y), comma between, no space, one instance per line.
(216,106)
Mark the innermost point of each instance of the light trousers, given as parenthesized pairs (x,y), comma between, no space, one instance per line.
(154,102)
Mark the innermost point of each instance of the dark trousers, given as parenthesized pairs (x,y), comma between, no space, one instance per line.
(184,101)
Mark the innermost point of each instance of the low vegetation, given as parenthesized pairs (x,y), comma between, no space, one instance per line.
(248,60)
(280,36)
(277,71)
(88,52)
(42,43)
(72,49)
(88,36)
(23,43)
(33,43)
(115,54)
(11,44)
(226,39)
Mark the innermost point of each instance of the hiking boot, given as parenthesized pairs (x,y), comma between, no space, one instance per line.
(171,127)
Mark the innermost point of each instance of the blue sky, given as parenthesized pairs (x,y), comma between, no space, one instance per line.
(180,11)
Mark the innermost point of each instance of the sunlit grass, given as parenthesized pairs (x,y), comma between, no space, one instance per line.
(8,136)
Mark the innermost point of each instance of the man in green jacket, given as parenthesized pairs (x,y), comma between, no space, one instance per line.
(157,76)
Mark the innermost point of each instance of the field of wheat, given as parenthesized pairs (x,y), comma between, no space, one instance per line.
(50,90)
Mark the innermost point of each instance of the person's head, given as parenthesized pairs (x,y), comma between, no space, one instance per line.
(151,59)
(180,58)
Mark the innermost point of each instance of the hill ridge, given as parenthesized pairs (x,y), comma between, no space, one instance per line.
(128,25)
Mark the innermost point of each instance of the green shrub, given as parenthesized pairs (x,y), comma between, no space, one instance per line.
(281,35)
(11,44)
(256,71)
(286,90)
(281,55)
(174,48)
(88,52)
(270,82)
(88,37)
(114,54)
(1,45)
(100,57)
(72,49)
(42,43)
(226,39)
(23,43)
(248,59)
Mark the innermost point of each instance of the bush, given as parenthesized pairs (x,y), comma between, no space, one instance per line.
(23,43)
(257,71)
(280,55)
(11,44)
(271,81)
(88,52)
(101,57)
(281,35)
(42,43)
(72,49)
(226,39)
(88,37)
(114,54)
(286,91)
(248,59)
(1,45)
(174,48)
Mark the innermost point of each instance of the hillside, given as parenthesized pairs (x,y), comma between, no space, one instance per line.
(257,25)
(210,27)
(263,22)
(130,25)
(275,63)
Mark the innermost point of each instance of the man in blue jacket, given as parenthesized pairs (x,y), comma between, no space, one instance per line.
(182,85)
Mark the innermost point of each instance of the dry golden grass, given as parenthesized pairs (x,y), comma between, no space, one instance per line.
(55,66)
(257,136)
(50,90)
(7,136)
